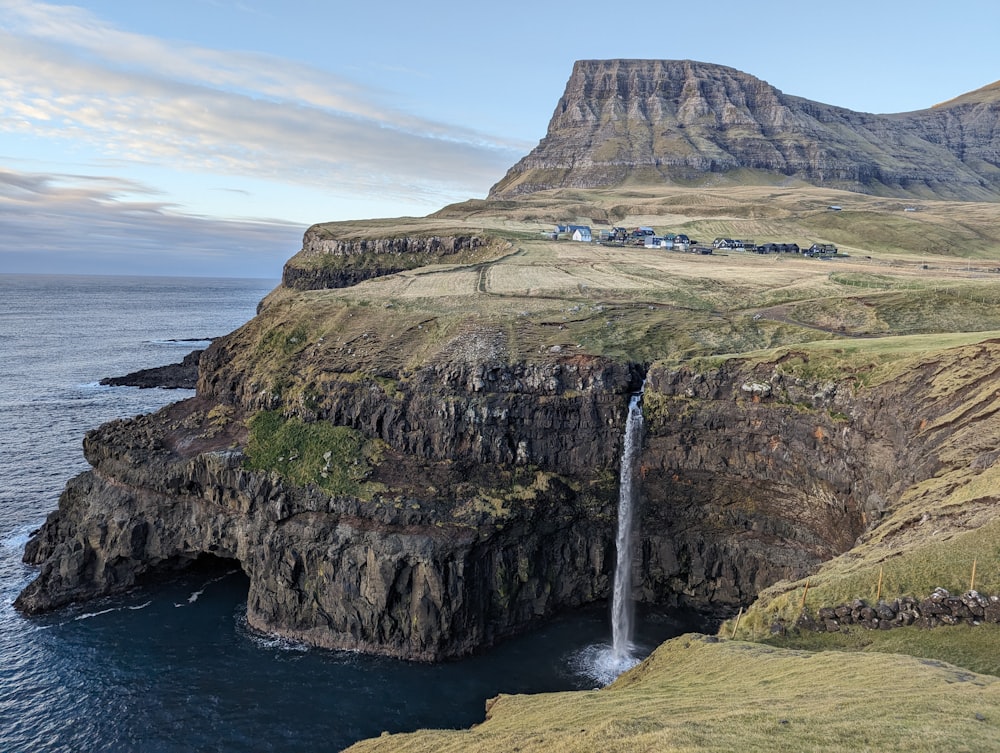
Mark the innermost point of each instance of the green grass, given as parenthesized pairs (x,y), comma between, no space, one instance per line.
(927,562)
(867,361)
(972,647)
(900,300)
(337,459)
(697,695)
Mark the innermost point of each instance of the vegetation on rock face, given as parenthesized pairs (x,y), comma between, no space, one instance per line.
(501,351)
(900,302)
(335,458)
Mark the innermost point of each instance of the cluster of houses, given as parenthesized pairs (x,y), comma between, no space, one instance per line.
(647,238)
(815,250)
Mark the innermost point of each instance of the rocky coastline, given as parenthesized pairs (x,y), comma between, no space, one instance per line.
(413,448)
(174,376)
(486,518)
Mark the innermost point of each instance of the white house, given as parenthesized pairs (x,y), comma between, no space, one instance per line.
(581,233)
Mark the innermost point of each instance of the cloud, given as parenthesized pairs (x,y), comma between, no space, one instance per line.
(69,75)
(78,224)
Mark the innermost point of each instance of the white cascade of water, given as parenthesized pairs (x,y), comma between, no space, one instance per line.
(621,603)
(603,663)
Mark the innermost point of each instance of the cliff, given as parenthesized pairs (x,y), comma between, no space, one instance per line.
(670,122)
(344,254)
(446,546)
(326,262)
(413,448)
(428,514)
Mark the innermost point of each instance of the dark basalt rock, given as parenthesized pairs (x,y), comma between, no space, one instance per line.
(174,376)
(388,576)
(739,490)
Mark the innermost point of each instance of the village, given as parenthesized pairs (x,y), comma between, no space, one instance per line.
(646,237)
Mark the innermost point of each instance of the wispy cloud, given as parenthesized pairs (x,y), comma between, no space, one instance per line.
(70,75)
(105,226)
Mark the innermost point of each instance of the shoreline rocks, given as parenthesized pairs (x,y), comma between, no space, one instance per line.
(174,376)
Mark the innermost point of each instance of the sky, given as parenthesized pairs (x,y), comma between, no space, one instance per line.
(202,137)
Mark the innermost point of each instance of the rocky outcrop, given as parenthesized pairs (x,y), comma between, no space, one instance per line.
(174,376)
(745,485)
(329,262)
(392,575)
(562,416)
(681,122)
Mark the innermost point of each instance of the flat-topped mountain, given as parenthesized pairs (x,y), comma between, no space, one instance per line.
(681,122)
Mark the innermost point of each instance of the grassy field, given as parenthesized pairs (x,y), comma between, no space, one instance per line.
(646,304)
(695,694)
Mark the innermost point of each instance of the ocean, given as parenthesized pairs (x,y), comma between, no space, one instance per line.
(173,666)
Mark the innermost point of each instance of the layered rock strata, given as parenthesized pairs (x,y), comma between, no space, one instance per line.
(683,122)
(327,262)
(442,562)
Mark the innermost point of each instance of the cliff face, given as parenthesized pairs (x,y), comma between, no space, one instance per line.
(420,465)
(326,262)
(684,122)
(485,518)
(399,575)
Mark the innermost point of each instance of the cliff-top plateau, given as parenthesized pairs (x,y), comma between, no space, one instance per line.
(413,449)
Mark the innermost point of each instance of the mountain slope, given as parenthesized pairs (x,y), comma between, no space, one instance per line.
(689,123)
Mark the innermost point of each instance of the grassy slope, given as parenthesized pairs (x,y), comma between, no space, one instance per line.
(696,695)
(918,286)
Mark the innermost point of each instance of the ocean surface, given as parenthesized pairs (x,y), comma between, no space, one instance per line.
(173,666)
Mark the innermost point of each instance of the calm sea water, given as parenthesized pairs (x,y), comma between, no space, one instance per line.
(173,667)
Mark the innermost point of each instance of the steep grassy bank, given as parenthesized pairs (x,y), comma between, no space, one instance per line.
(699,694)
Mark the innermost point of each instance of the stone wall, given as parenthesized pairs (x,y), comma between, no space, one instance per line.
(940,608)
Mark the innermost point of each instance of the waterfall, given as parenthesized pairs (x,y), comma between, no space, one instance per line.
(603,663)
(621,603)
